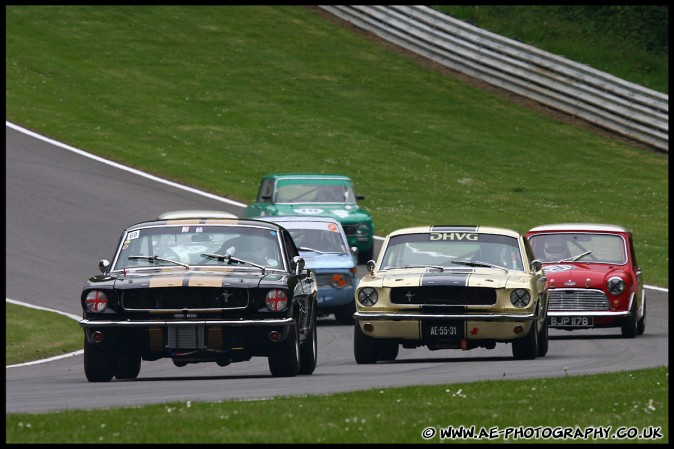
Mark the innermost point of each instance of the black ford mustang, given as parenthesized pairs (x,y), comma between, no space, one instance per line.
(194,287)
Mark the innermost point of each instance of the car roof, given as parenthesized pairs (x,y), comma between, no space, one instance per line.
(278,176)
(568,227)
(299,219)
(224,221)
(457,228)
(177,214)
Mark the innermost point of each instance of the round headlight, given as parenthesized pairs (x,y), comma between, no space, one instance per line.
(368,296)
(276,300)
(615,285)
(363,229)
(520,297)
(96,301)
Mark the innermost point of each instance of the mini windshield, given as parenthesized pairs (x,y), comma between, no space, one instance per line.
(325,191)
(324,237)
(175,245)
(579,247)
(440,250)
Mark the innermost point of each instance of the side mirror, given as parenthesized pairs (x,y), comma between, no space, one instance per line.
(360,197)
(354,250)
(536,265)
(103,265)
(370,266)
(299,264)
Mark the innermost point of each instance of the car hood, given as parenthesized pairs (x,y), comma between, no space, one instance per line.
(581,275)
(188,278)
(318,261)
(492,278)
(345,213)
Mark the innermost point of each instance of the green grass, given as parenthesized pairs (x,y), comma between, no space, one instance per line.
(636,400)
(216,97)
(36,334)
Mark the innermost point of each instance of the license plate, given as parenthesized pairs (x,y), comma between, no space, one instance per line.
(571,321)
(444,330)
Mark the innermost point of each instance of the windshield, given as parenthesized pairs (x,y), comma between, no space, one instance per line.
(324,238)
(308,191)
(579,247)
(176,245)
(437,249)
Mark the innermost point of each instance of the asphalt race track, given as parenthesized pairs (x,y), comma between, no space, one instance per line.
(64,213)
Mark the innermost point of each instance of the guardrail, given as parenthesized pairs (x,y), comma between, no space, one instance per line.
(604,100)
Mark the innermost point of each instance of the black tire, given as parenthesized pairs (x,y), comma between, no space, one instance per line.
(345,315)
(641,324)
(309,351)
(526,348)
(128,366)
(629,327)
(99,364)
(543,340)
(365,349)
(285,362)
(388,350)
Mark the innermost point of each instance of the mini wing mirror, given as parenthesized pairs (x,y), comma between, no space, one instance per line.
(536,265)
(299,264)
(103,265)
(370,266)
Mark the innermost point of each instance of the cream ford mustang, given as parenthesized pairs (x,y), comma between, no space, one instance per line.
(451,287)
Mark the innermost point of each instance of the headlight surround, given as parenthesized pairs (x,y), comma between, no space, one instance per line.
(615,285)
(520,297)
(276,300)
(368,296)
(96,301)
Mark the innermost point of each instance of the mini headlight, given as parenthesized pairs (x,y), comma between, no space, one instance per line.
(363,229)
(96,301)
(520,297)
(339,280)
(276,300)
(615,285)
(368,296)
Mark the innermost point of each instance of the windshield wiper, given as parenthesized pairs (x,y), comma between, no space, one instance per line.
(229,259)
(155,258)
(478,263)
(437,267)
(305,248)
(575,258)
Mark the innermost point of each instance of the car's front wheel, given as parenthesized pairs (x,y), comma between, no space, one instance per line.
(309,352)
(526,348)
(285,362)
(128,366)
(641,324)
(543,340)
(99,364)
(629,327)
(365,349)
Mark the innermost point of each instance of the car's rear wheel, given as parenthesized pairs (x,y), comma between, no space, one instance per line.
(641,324)
(526,348)
(629,327)
(388,349)
(345,315)
(99,364)
(285,362)
(309,352)
(128,366)
(365,349)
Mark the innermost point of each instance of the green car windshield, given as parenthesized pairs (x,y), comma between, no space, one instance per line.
(314,191)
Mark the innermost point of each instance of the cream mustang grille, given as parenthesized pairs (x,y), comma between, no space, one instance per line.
(185,298)
(577,299)
(444,295)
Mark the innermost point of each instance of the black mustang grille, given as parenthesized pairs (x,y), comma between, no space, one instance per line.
(444,295)
(577,299)
(185,298)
